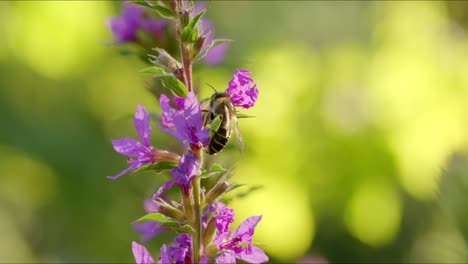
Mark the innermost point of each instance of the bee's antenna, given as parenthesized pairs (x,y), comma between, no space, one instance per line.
(211,87)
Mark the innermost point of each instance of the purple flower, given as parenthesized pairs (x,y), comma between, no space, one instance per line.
(141,254)
(140,153)
(179,253)
(125,26)
(216,54)
(189,167)
(242,90)
(133,18)
(186,119)
(237,244)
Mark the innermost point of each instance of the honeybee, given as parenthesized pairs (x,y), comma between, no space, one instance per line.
(223,111)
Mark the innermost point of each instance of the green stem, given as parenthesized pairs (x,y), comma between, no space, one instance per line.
(184,50)
(197,236)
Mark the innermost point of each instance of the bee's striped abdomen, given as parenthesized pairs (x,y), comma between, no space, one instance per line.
(222,135)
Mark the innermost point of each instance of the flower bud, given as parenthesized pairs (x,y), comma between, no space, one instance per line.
(164,155)
(210,232)
(184,18)
(188,206)
(197,47)
(170,211)
(163,58)
(216,192)
(211,250)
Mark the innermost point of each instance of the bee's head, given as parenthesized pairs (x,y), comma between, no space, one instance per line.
(218,95)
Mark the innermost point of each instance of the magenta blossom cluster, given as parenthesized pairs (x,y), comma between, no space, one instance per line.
(242,89)
(135,18)
(187,120)
(226,247)
(141,153)
(201,220)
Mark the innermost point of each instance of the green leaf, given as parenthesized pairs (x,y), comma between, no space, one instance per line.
(153,217)
(164,11)
(153,69)
(190,32)
(216,167)
(159,166)
(178,227)
(161,10)
(239,115)
(213,44)
(172,83)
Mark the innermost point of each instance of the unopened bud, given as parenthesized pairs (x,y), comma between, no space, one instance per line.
(165,59)
(188,206)
(164,155)
(184,18)
(216,192)
(210,232)
(171,212)
(211,250)
(198,45)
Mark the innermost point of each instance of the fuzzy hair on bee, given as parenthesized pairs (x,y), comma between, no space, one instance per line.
(223,111)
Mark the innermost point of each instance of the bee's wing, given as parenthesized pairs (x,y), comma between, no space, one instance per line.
(237,131)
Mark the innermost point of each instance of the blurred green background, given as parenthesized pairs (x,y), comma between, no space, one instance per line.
(359,140)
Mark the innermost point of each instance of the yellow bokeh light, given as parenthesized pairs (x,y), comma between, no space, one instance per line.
(288,226)
(373,214)
(26,182)
(58,38)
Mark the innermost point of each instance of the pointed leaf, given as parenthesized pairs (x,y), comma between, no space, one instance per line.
(159,166)
(173,84)
(161,10)
(153,217)
(178,227)
(191,29)
(216,167)
(153,69)
(213,44)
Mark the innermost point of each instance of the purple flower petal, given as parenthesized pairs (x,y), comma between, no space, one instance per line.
(226,258)
(242,90)
(216,54)
(181,253)
(141,254)
(164,259)
(224,217)
(187,120)
(246,229)
(161,189)
(256,256)
(134,166)
(150,206)
(148,230)
(128,147)
(155,27)
(180,102)
(167,111)
(141,121)
(204,260)
(189,167)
